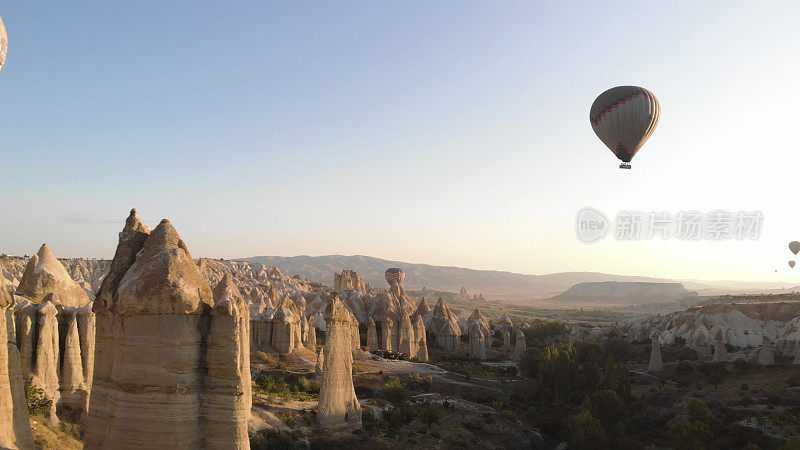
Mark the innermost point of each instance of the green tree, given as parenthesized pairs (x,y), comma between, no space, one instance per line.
(395,391)
(695,432)
(793,443)
(586,432)
(690,435)
(607,407)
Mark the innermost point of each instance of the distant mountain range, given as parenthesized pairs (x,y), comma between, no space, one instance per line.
(494,284)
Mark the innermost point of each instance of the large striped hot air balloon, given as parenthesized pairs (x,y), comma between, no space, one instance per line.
(394,275)
(3,43)
(623,118)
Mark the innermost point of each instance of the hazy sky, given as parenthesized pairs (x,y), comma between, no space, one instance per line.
(451,133)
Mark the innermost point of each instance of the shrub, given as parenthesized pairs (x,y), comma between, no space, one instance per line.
(586,431)
(684,368)
(741,365)
(38,404)
(745,387)
(272,439)
(794,380)
(430,416)
(690,435)
(419,382)
(395,391)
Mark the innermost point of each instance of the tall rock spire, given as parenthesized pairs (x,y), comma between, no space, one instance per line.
(338,405)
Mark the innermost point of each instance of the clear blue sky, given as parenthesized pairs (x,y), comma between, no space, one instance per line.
(442,132)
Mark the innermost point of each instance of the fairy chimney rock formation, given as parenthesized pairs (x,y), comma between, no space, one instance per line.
(227,395)
(45,373)
(355,334)
(477,343)
(720,353)
(766,356)
(424,310)
(387,330)
(406,342)
(170,371)
(421,340)
(372,335)
(15,428)
(311,341)
(320,360)
(521,346)
(655,365)
(45,275)
(338,405)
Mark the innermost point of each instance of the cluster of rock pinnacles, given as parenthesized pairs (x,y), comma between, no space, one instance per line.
(160,359)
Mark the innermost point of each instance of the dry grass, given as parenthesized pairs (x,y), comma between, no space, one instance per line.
(48,437)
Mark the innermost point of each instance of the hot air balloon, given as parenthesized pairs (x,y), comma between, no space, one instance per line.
(3,43)
(791,264)
(794,246)
(394,275)
(623,118)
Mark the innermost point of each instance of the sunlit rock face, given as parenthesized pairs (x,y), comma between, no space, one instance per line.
(172,364)
(744,327)
(338,405)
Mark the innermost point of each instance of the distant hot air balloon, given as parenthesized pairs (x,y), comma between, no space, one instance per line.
(394,275)
(794,246)
(3,43)
(623,118)
(791,264)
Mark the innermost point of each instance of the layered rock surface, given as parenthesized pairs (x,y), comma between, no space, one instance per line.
(170,371)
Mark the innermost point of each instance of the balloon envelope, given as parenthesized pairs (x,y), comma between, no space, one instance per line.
(624,117)
(3,43)
(394,275)
(794,246)
(791,264)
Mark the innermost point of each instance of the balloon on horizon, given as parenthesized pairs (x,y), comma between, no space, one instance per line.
(791,264)
(794,246)
(624,117)
(394,275)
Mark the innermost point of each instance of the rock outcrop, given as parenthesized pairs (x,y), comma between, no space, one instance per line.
(338,405)
(15,429)
(348,280)
(170,370)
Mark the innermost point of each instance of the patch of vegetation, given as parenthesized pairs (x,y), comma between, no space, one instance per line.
(293,387)
(395,391)
(272,439)
(38,404)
